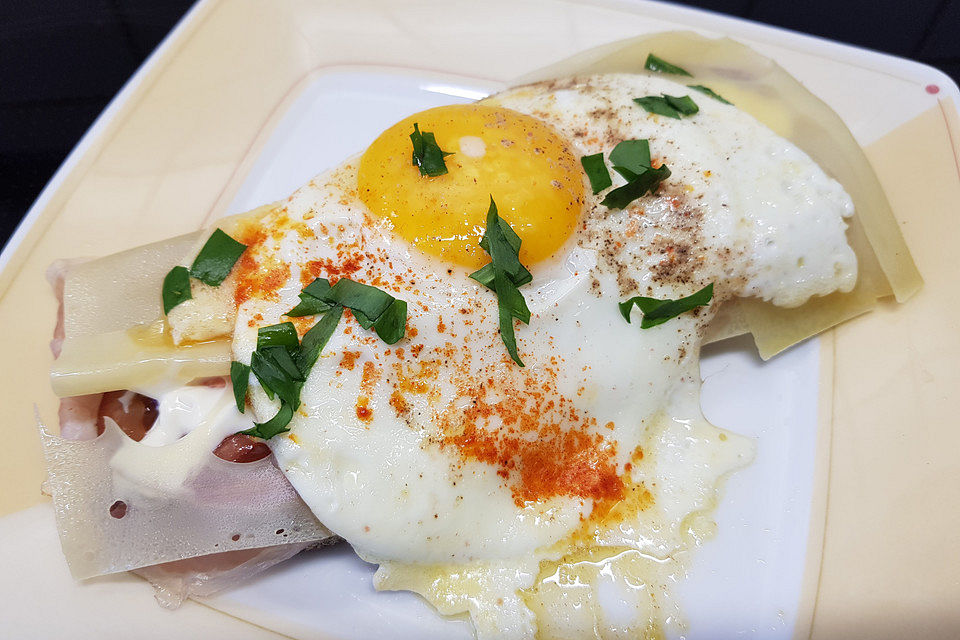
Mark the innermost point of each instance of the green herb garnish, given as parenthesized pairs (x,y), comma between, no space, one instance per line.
(659,311)
(312,299)
(504,274)
(367,303)
(278,335)
(646,181)
(710,92)
(670,106)
(517,272)
(176,288)
(371,307)
(217,257)
(660,65)
(316,338)
(630,158)
(392,323)
(596,171)
(277,372)
(240,377)
(214,262)
(274,426)
(281,364)
(427,154)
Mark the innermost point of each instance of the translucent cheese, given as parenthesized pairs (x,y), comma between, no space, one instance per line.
(115,334)
(179,500)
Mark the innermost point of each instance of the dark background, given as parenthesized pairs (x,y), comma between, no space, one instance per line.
(61,61)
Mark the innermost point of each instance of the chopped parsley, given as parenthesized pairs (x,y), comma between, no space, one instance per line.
(639,185)
(710,92)
(217,257)
(659,311)
(596,171)
(281,364)
(282,361)
(504,274)
(317,337)
(371,307)
(211,266)
(312,299)
(427,154)
(669,106)
(240,377)
(176,288)
(274,426)
(277,371)
(278,335)
(630,157)
(660,65)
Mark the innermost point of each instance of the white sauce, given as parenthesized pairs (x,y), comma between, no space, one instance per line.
(192,421)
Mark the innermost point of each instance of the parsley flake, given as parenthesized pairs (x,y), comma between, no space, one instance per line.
(669,106)
(427,154)
(317,337)
(630,158)
(281,363)
(596,171)
(176,288)
(660,65)
(278,335)
(659,311)
(640,184)
(274,426)
(710,92)
(372,307)
(240,377)
(312,299)
(504,274)
(216,259)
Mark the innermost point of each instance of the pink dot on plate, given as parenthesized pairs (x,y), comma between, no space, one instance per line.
(933,89)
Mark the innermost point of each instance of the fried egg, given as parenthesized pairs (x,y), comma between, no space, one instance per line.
(546,500)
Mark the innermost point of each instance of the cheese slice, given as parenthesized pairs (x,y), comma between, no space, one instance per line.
(759,86)
(116,335)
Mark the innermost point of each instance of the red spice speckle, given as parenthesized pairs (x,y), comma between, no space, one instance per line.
(537,440)
(347,264)
(364,412)
(349,360)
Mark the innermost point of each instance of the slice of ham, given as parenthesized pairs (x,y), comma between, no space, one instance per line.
(56,276)
(200,577)
(79,416)
(241,448)
(133,412)
(84,418)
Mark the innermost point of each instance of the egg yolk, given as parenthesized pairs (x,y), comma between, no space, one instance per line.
(520,161)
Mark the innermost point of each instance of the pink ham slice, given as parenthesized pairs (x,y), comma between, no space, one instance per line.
(83,418)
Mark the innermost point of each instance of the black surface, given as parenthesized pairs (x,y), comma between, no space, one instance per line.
(62,60)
